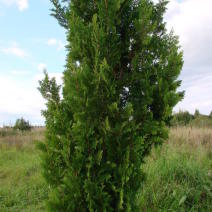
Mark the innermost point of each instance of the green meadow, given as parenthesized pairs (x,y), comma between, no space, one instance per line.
(178,174)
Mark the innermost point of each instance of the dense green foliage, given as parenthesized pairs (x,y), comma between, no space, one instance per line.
(22,125)
(119,90)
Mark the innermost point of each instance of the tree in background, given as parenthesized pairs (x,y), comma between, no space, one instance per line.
(22,125)
(182,118)
(119,90)
(196,113)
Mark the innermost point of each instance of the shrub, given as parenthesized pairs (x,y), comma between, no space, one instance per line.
(196,113)
(182,118)
(120,86)
(22,125)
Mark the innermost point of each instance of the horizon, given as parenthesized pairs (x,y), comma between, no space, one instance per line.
(31,40)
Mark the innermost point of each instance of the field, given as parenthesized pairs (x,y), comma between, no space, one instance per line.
(22,187)
(178,175)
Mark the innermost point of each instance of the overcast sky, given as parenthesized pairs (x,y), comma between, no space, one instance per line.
(31,40)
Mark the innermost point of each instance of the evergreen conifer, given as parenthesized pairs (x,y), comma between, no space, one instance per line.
(120,86)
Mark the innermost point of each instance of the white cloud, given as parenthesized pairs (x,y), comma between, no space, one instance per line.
(21,4)
(15,51)
(21,98)
(192,21)
(54,42)
(19,72)
(61,45)
(41,67)
(198,95)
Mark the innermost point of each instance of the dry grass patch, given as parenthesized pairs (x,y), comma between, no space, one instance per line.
(20,140)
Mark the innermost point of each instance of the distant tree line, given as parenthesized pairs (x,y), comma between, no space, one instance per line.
(183,118)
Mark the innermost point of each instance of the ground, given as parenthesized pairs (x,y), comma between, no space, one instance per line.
(178,174)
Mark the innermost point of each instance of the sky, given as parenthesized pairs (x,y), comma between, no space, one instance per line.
(31,40)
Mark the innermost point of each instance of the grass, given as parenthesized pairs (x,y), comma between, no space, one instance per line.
(22,187)
(178,175)
(202,121)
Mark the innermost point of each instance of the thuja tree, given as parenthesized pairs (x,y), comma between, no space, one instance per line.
(120,86)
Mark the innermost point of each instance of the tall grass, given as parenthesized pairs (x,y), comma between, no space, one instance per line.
(15,138)
(22,187)
(178,175)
